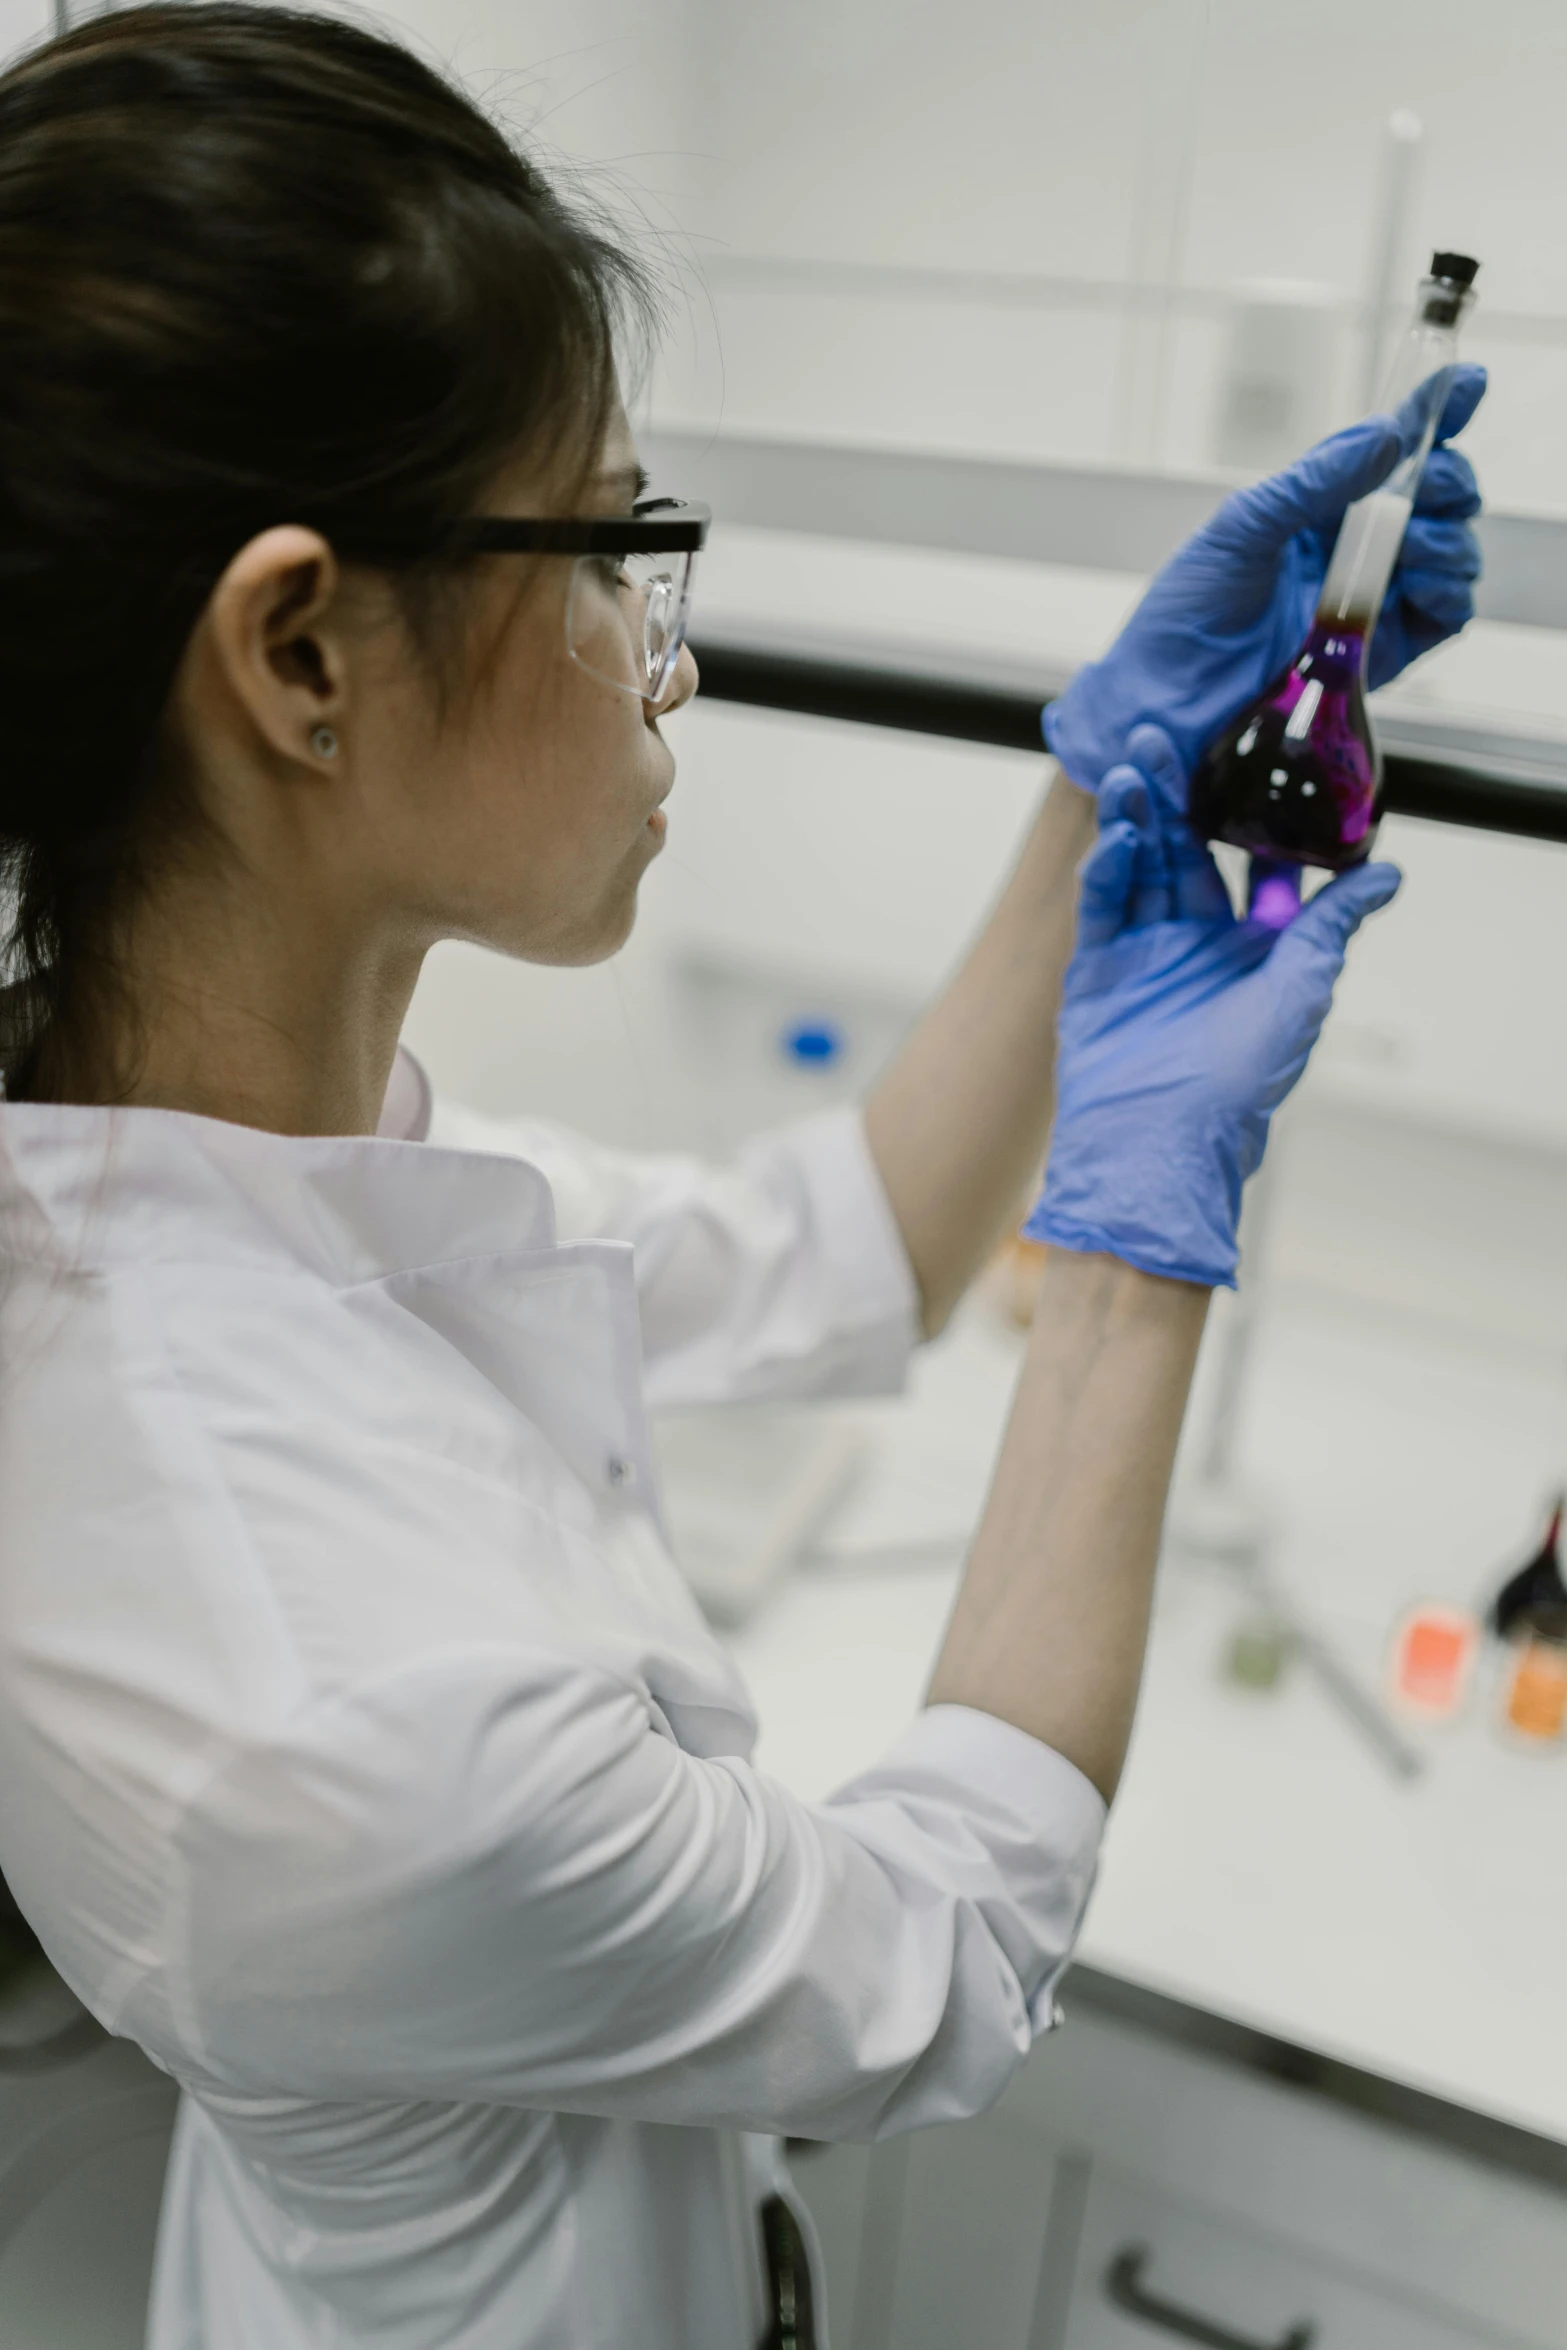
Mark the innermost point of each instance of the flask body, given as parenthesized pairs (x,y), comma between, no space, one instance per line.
(1298,776)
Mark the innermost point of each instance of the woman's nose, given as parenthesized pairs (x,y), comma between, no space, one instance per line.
(684,679)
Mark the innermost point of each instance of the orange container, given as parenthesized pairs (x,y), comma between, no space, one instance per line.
(1433,1656)
(1536,1702)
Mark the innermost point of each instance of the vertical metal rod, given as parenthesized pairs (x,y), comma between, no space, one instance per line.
(1389,245)
(62,17)
(1238,1335)
(1155,252)
(1175,244)
(1238,1339)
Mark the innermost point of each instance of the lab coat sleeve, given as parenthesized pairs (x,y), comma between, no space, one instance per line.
(510,1884)
(779,1273)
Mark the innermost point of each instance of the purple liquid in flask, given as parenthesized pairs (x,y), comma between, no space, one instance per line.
(1297,777)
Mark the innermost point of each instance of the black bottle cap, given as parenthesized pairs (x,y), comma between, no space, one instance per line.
(1535,1599)
(1457,268)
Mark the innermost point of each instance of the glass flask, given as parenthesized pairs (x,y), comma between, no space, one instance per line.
(1298,775)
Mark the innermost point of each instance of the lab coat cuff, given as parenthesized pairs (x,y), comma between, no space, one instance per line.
(1008,1765)
(872,1282)
(1041,1820)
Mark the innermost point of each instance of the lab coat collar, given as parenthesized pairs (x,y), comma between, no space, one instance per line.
(86,1187)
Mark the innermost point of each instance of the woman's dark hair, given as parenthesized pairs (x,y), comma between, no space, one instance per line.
(256,266)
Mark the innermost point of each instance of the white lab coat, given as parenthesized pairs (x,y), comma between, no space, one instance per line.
(363,1756)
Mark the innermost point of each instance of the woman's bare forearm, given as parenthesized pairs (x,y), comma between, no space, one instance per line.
(1052,1617)
(958,1124)
(1051,1621)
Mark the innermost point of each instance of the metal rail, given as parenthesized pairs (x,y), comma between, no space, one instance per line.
(869,694)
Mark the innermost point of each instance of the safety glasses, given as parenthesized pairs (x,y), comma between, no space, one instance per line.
(629,600)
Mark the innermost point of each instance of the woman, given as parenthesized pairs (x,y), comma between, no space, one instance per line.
(361,1755)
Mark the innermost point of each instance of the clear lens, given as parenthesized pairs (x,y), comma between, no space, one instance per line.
(626,619)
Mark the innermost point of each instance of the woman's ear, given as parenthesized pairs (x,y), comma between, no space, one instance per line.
(271,648)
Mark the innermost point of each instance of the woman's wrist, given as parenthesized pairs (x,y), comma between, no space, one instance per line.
(1103,1295)
(1184,1229)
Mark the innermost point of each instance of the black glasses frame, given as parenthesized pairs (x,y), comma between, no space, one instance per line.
(655,526)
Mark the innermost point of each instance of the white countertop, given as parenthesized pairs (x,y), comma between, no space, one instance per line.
(1261,1863)
(1500,686)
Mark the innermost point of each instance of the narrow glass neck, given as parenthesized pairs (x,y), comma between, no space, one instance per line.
(1364,555)
(1366,550)
(1429,343)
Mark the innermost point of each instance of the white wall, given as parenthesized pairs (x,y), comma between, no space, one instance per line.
(1190,145)
(599,87)
(22,22)
(1201,142)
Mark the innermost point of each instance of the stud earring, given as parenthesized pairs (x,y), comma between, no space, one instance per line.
(323,742)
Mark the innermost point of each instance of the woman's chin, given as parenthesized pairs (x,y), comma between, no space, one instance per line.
(590,932)
(616,919)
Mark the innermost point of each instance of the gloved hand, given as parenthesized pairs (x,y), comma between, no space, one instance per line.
(1182,1030)
(1231,608)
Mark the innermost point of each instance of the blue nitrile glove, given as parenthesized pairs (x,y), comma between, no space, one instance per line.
(1231,608)
(1182,1030)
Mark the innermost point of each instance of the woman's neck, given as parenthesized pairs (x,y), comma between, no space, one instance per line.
(225,1004)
